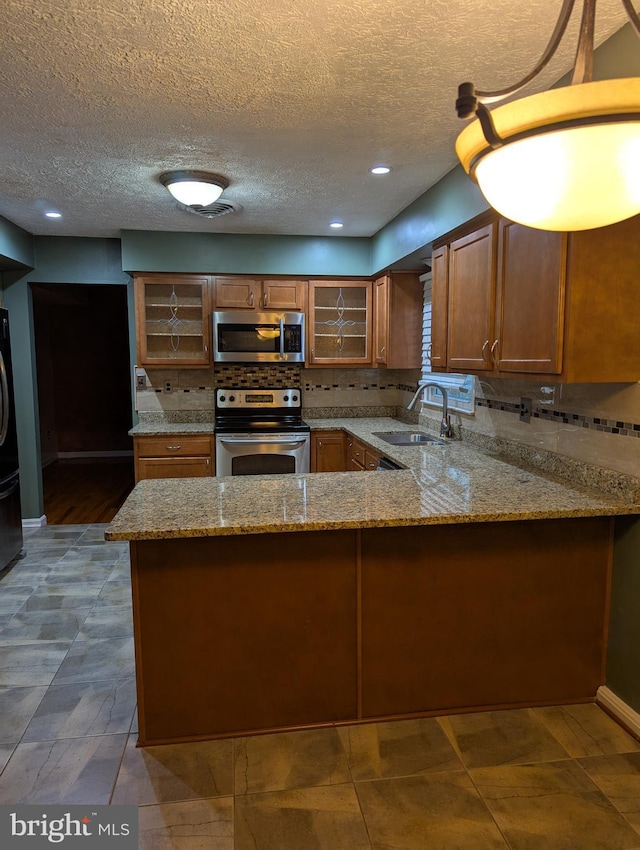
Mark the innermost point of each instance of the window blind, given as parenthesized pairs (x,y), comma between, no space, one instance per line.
(460,388)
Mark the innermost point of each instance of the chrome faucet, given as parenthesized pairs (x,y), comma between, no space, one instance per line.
(446,428)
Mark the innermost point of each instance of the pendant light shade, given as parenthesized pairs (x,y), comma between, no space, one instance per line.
(566,159)
(194,188)
(569,158)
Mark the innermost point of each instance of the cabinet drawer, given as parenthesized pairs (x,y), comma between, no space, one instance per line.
(166,467)
(371,460)
(173,446)
(356,452)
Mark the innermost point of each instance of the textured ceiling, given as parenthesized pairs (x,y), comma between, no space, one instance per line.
(291,100)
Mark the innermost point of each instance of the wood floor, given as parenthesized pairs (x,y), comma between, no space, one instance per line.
(86,490)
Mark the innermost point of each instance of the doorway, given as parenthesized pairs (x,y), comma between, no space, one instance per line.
(84,397)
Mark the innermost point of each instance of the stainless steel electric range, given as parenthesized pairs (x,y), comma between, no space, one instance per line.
(260,432)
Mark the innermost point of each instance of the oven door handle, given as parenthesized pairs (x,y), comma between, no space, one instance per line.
(281,338)
(240,441)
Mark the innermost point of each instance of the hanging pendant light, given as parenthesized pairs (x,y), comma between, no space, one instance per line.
(564,159)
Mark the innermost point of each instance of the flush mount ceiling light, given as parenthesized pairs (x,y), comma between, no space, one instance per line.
(336,225)
(194,188)
(564,159)
(380,169)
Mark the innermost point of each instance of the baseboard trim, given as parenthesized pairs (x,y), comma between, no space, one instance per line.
(34,522)
(619,710)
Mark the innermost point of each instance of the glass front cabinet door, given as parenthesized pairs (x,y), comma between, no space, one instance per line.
(173,320)
(339,322)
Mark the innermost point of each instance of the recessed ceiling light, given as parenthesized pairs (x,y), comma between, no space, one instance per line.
(53,214)
(336,225)
(380,169)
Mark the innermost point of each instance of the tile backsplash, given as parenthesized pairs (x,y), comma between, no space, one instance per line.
(593,423)
(345,392)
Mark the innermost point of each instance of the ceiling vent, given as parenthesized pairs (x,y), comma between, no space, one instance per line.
(213,210)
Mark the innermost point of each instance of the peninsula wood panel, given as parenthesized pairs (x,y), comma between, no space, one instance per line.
(251,633)
(244,632)
(483,615)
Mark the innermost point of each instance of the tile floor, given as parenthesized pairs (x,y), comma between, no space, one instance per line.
(562,778)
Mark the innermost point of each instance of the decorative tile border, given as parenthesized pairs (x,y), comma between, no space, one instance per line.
(594,423)
(309,386)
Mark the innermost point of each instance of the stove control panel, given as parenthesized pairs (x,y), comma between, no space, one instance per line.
(258,399)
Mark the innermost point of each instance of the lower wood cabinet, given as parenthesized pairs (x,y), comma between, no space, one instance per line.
(361,458)
(328,451)
(175,456)
(337,451)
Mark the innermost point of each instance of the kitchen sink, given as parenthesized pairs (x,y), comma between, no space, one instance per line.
(407,438)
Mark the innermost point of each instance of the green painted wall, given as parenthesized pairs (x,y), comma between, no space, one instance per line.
(16,246)
(245,254)
(56,260)
(623,658)
(403,241)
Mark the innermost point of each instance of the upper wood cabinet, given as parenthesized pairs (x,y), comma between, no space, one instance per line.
(542,304)
(339,323)
(397,308)
(237,293)
(172,320)
(471,310)
(530,292)
(437,352)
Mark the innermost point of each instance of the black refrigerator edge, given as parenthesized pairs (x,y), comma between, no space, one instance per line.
(10,512)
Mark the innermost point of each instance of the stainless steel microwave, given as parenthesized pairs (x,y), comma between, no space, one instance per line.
(248,337)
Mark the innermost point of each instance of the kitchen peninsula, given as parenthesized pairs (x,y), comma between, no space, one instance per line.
(460,582)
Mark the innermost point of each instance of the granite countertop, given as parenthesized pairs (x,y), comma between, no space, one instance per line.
(439,484)
(160,429)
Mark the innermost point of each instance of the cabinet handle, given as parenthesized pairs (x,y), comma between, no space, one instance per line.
(206,348)
(493,352)
(429,349)
(484,350)
(264,300)
(383,349)
(173,448)
(251,298)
